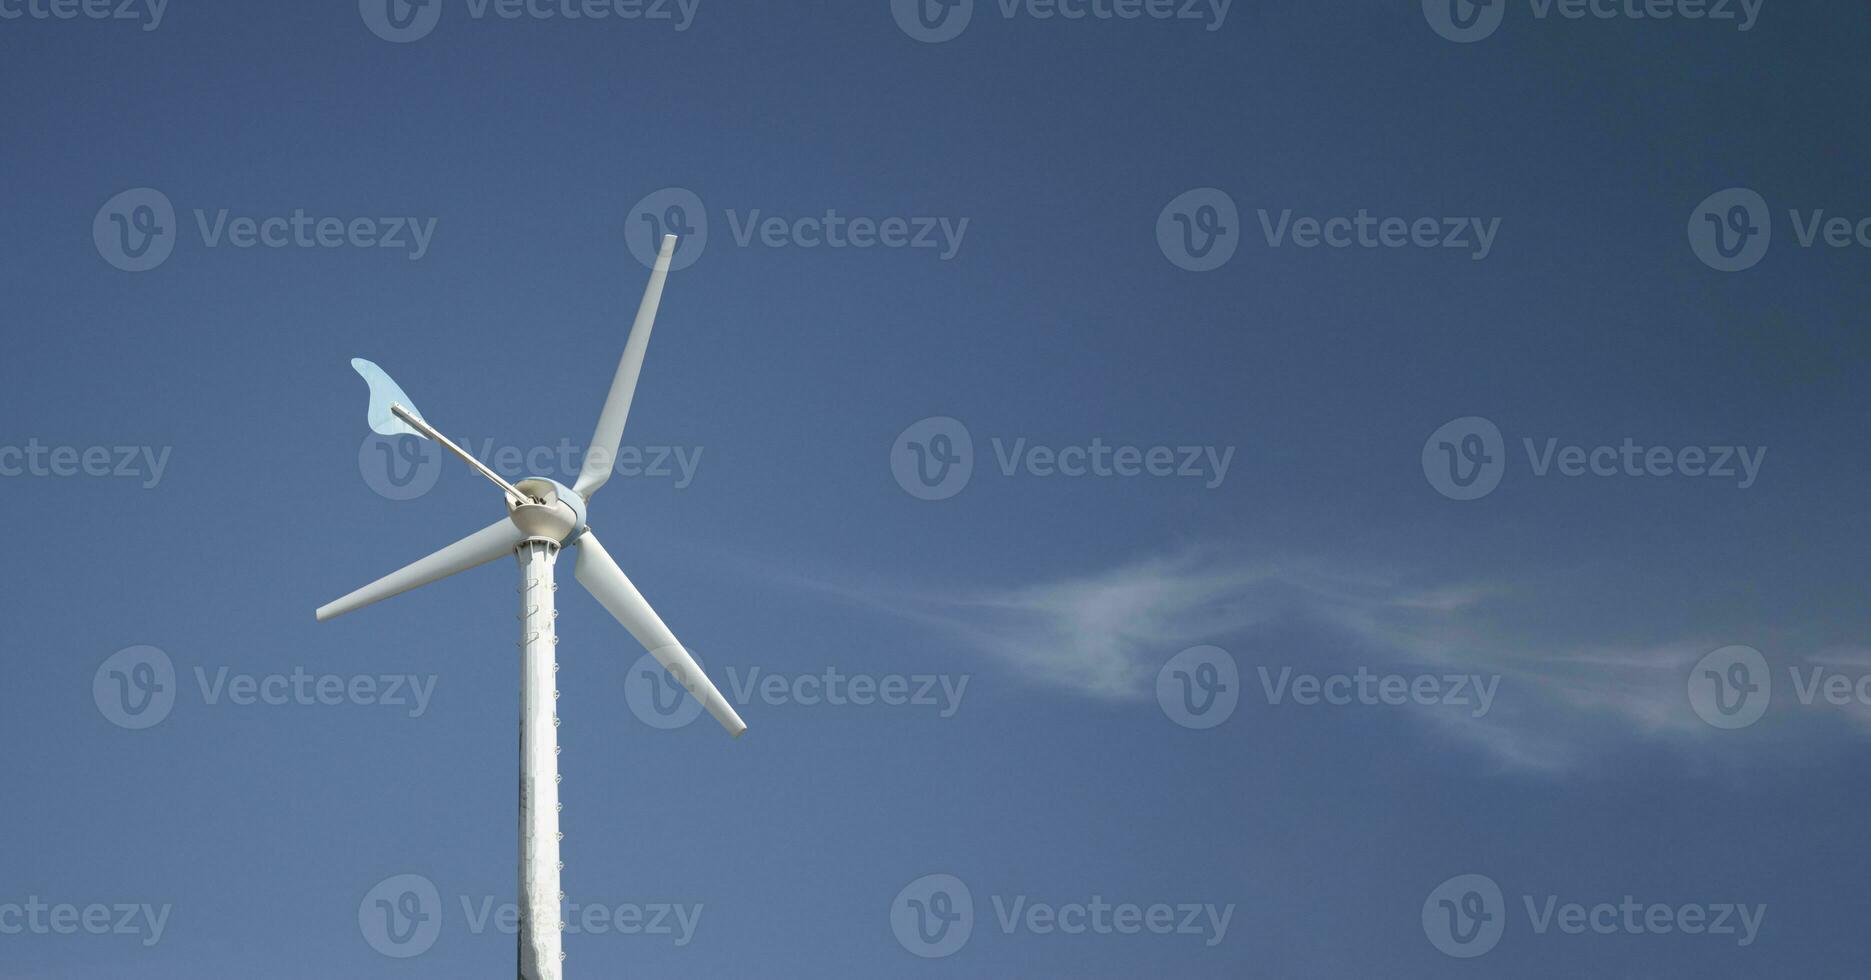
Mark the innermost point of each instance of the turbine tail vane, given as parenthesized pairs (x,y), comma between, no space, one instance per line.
(385,393)
(393,414)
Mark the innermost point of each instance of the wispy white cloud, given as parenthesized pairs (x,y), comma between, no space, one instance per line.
(1562,703)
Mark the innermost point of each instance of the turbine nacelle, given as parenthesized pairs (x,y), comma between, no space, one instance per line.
(551,512)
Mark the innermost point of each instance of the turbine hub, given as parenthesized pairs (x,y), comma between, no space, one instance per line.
(555,514)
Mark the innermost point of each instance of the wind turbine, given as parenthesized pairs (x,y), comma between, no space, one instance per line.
(544,516)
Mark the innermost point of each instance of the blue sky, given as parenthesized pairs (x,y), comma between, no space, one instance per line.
(1674,663)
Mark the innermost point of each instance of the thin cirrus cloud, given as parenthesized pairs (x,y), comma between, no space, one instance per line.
(1561,705)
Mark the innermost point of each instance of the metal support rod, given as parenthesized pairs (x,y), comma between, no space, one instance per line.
(429,430)
(540,895)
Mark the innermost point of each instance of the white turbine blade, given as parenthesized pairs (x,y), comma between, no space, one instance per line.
(601,455)
(604,580)
(495,541)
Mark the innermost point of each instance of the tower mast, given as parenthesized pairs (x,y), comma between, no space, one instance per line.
(540,894)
